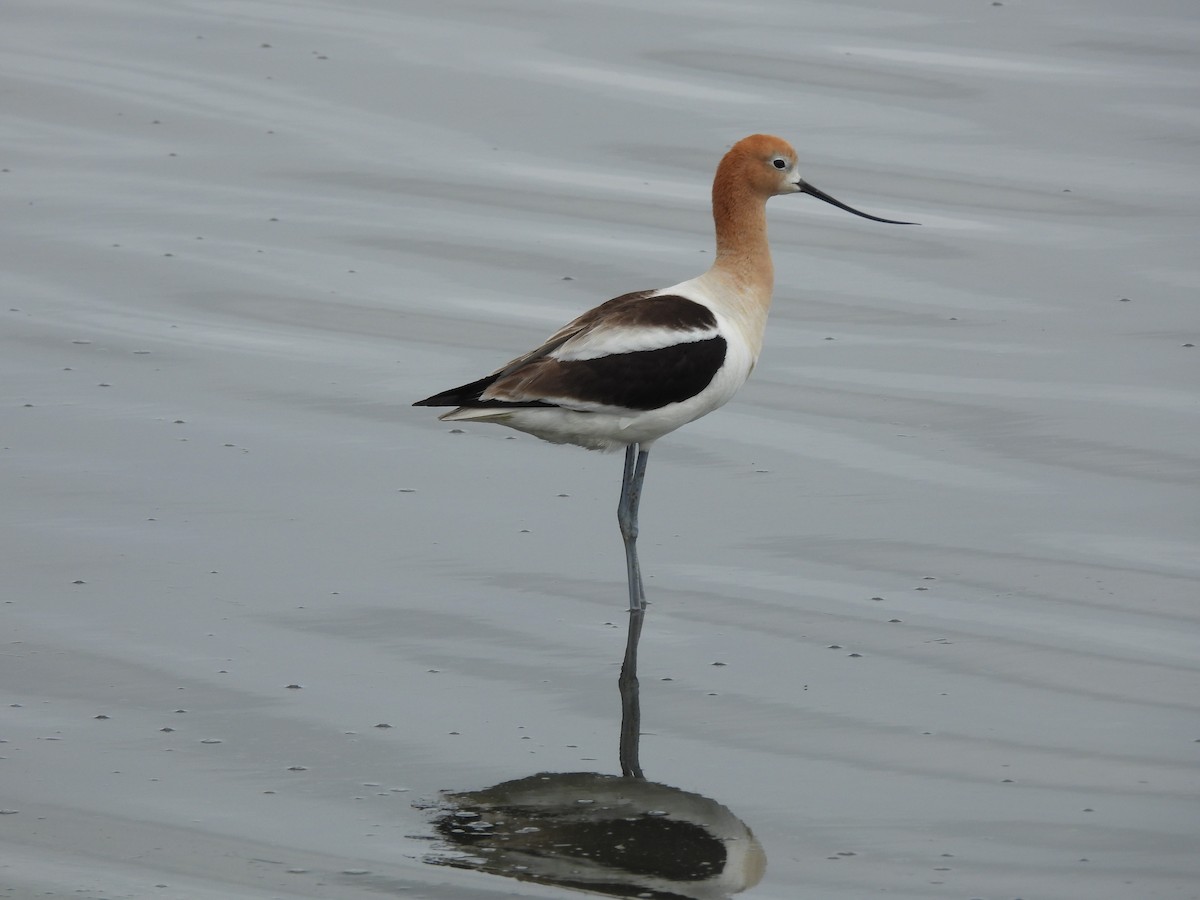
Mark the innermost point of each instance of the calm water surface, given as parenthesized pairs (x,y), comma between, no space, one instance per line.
(942,546)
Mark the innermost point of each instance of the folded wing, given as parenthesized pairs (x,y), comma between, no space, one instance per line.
(637,352)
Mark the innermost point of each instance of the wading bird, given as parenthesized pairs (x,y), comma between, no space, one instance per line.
(641,365)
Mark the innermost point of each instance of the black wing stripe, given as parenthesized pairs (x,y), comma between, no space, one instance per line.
(643,380)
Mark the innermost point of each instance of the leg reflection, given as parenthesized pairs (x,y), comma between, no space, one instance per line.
(631,709)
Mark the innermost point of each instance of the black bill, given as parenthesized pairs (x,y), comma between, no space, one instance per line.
(806,188)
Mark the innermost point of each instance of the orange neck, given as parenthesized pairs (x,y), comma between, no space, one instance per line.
(740,215)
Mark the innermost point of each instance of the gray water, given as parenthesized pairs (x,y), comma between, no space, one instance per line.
(943,543)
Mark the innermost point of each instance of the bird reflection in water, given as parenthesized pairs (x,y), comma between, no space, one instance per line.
(606,834)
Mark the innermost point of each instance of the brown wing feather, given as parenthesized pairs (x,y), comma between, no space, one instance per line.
(577,327)
(644,379)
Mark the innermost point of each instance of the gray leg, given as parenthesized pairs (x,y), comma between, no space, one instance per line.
(627,517)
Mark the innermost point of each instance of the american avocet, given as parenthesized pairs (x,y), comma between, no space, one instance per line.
(643,364)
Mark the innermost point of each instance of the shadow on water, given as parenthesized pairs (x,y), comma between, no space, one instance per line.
(619,835)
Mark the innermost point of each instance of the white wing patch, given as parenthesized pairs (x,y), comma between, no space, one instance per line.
(610,341)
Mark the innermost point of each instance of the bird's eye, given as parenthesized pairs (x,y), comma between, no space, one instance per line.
(779,162)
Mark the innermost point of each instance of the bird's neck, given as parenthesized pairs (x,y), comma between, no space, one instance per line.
(743,261)
(740,217)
